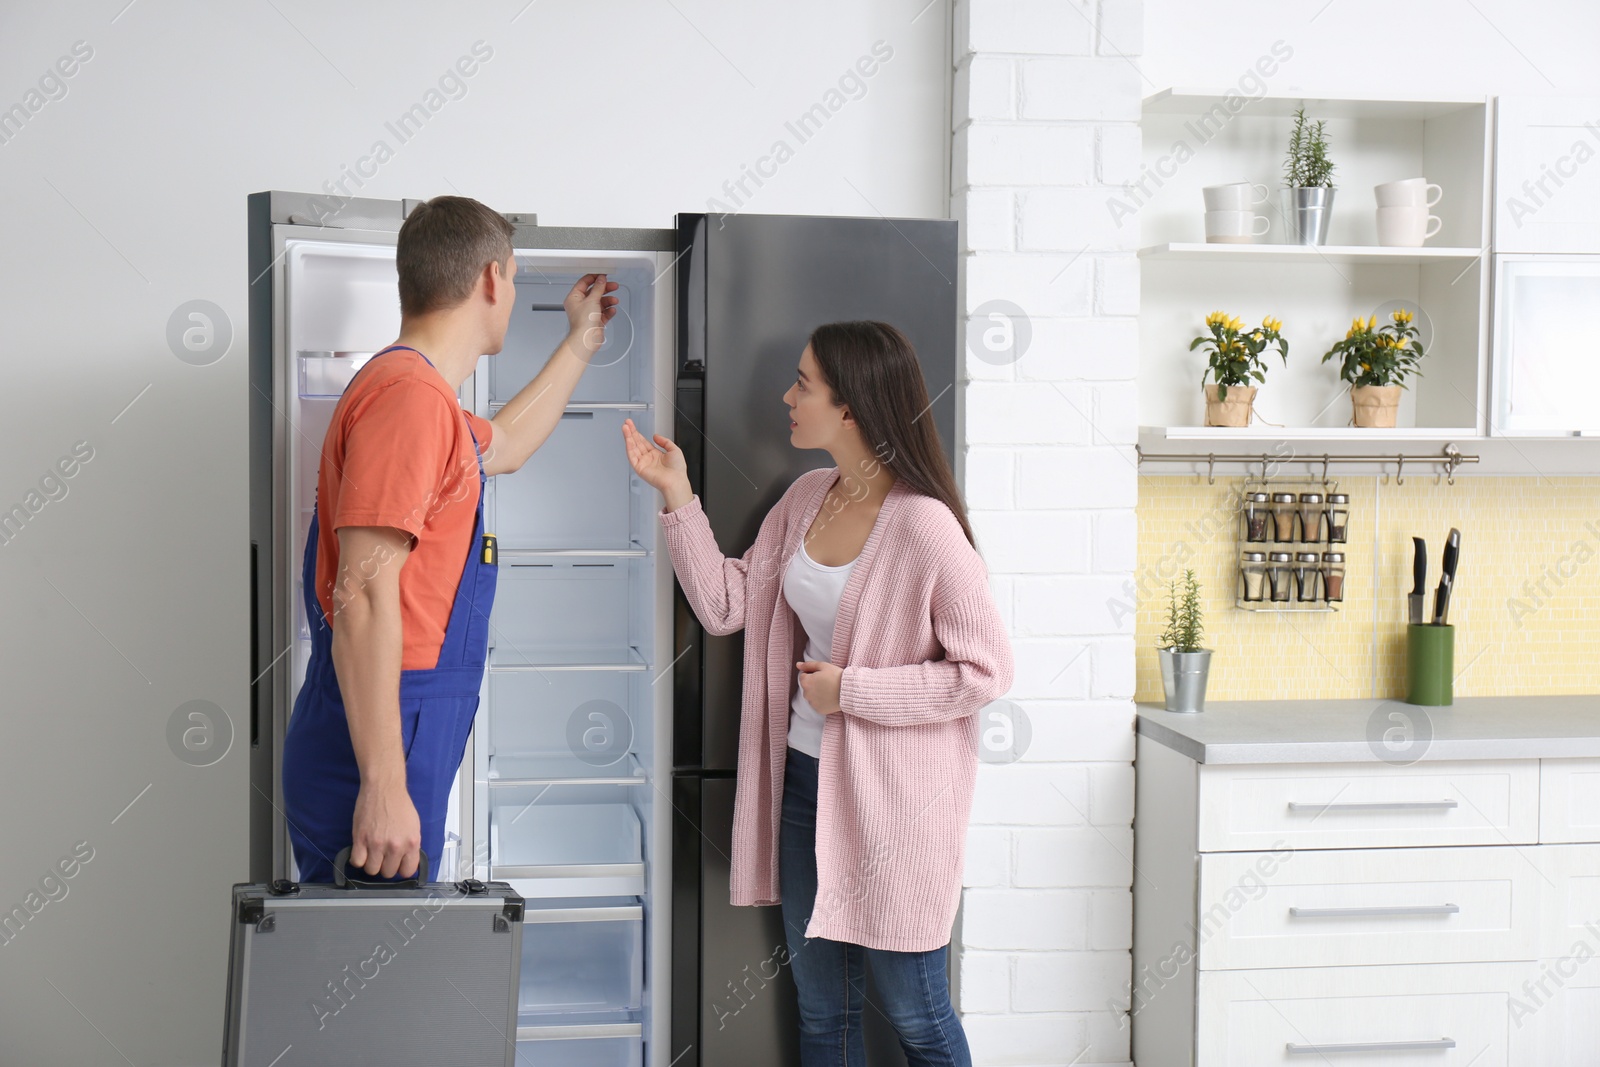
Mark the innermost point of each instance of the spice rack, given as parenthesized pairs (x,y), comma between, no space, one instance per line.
(1300,530)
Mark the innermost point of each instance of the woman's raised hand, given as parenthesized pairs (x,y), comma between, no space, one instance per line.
(662,467)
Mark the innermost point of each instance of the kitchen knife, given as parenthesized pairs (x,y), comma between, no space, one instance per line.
(1419,578)
(1452,558)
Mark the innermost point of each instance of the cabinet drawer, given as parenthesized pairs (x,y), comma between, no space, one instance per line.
(1373,906)
(1569,800)
(1445,1016)
(1254,808)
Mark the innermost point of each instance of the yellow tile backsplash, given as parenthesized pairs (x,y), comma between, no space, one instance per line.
(1526,606)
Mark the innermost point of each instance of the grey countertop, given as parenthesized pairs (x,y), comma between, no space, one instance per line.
(1370,731)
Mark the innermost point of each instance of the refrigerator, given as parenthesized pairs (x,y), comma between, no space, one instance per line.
(598,778)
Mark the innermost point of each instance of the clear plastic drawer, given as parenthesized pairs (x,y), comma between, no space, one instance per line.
(582,961)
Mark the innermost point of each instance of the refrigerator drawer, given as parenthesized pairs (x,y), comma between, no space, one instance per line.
(582,961)
(568,1047)
(577,491)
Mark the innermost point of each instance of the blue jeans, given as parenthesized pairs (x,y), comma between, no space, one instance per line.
(831,975)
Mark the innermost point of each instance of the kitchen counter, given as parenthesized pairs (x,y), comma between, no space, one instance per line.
(1352,731)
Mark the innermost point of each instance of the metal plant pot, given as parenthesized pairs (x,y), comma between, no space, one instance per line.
(1306,212)
(1183,676)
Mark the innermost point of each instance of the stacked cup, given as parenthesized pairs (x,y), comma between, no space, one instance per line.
(1229,218)
(1403,218)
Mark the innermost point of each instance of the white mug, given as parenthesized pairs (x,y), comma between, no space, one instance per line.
(1235,227)
(1408,192)
(1406,227)
(1235,196)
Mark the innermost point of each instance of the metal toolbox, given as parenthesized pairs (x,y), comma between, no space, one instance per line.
(398,973)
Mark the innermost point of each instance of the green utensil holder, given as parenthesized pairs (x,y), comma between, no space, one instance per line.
(1430,663)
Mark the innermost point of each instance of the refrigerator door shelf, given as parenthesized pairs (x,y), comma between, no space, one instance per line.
(325,374)
(509,770)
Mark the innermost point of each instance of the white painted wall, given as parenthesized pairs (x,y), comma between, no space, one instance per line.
(1415,47)
(125,197)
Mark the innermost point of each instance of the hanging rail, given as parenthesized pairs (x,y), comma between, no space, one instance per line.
(1451,457)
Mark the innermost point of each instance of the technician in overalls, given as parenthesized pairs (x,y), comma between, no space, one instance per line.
(399,574)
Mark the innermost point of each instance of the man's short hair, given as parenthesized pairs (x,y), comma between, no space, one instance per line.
(444,244)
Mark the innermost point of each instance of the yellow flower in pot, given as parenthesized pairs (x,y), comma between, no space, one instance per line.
(1234,361)
(1376,361)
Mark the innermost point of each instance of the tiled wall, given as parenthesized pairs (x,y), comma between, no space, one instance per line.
(1527,592)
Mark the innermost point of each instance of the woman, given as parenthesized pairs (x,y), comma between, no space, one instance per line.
(856,762)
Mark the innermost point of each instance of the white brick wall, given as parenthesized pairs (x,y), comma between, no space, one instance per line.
(1046,117)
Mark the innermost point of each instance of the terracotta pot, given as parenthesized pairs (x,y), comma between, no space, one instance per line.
(1235,410)
(1375,405)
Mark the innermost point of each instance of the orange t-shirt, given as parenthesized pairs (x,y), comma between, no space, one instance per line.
(398,454)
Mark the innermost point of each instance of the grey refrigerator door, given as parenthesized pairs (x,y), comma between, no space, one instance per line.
(751,289)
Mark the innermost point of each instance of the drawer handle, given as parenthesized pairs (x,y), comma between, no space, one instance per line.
(1380,909)
(1372,1046)
(1377,805)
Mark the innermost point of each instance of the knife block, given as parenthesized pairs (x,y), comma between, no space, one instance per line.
(1430,663)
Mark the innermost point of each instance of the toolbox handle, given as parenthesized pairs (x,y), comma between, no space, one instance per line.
(345,881)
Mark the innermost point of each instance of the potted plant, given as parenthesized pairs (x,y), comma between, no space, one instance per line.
(1184,664)
(1233,360)
(1375,360)
(1308,182)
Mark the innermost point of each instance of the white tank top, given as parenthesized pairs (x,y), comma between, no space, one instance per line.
(813,591)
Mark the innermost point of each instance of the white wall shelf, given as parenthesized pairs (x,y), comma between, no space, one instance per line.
(1195,252)
(1198,101)
(1193,138)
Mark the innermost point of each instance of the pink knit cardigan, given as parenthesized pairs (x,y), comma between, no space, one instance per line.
(923,649)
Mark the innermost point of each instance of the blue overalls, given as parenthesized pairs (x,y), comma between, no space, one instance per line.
(437,705)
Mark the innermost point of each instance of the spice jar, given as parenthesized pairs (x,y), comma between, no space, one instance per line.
(1254,568)
(1311,517)
(1283,516)
(1280,573)
(1305,575)
(1257,517)
(1333,575)
(1337,510)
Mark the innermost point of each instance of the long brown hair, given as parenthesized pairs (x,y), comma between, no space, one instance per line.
(873,370)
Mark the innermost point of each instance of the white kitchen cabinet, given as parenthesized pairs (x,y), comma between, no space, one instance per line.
(1569,800)
(1450,1015)
(1547,174)
(1271,926)
(1254,806)
(1340,907)
(1194,138)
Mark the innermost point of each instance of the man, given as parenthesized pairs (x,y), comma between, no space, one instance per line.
(399,574)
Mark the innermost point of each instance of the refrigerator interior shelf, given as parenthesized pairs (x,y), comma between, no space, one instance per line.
(588,880)
(550,834)
(613,658)
(588,405)
(512,556)
(511,770)
(568,1033)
